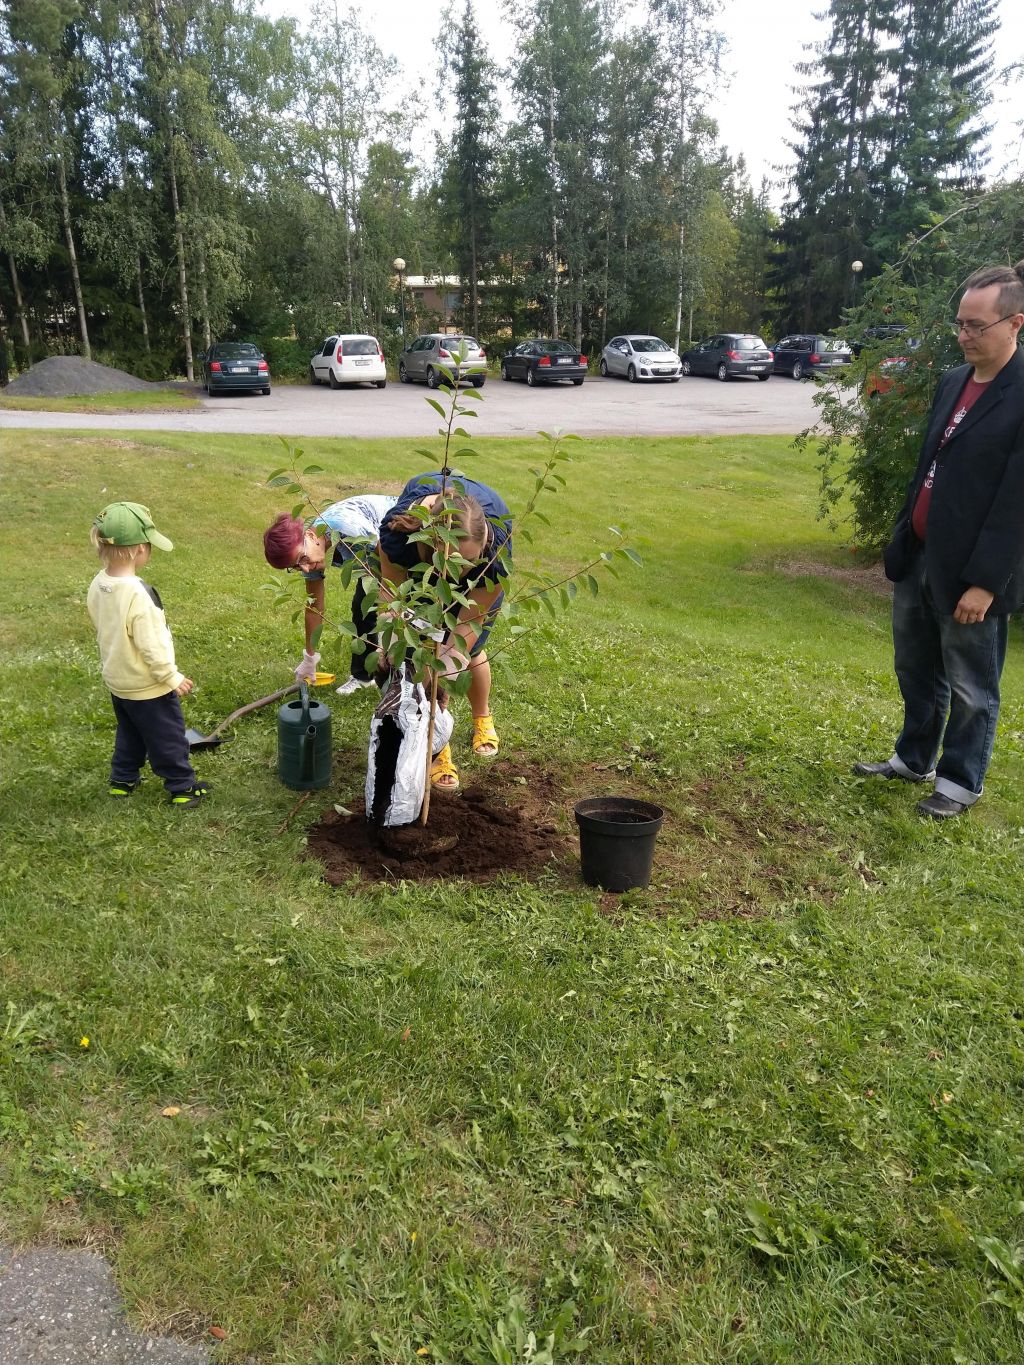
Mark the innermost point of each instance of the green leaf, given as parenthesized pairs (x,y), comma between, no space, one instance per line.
(592,584)
(279,481)
(631,554)
(313,469)
(314,639)
(1008,1261)
(436,406)
(276,474)
(298,509)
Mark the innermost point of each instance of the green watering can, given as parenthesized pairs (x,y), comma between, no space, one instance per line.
(304,743)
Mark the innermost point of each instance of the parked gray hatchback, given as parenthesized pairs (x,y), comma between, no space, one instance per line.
(434,356)
(728,354)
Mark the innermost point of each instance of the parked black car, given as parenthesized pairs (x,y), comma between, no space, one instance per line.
(544,360)
(805,353)
(232,365)
(871,336)
(728,354)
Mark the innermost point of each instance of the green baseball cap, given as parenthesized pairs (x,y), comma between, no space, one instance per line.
(129,523)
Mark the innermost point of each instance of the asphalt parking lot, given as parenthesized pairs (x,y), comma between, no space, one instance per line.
(599,407)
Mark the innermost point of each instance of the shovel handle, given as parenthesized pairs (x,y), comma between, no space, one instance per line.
(252,706)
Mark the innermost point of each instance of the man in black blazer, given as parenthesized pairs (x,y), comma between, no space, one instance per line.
(957,554)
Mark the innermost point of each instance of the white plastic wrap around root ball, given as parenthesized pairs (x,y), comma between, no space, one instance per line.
(396,770)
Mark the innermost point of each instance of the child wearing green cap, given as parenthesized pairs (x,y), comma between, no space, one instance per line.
(137,659)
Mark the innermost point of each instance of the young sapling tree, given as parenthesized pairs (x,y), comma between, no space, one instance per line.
(416,620)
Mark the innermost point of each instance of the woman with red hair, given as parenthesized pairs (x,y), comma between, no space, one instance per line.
(291,543)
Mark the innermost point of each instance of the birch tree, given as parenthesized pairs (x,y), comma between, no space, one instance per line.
(41,67)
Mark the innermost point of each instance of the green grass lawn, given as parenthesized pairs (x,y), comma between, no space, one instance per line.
(141,400)
(768,1111)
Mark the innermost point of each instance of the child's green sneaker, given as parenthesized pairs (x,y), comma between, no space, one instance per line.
(188,800)
(122,790)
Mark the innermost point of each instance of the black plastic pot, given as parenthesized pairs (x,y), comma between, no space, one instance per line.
(617,836)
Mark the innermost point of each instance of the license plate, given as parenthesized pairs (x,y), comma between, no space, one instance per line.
(363,362)
(241,369)
(756,369)
(665,369)
(566,360)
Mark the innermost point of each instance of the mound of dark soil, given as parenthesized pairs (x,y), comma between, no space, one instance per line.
(507,821)
(67,376)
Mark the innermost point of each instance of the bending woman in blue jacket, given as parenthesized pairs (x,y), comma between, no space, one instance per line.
(485,522)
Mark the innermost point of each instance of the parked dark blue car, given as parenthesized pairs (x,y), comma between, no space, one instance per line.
(232,365)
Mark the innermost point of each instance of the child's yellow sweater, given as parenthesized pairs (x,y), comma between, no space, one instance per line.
(136,649)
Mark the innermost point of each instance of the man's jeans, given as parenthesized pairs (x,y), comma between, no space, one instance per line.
(945,670)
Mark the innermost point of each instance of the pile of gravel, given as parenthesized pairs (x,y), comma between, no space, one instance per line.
(66,376)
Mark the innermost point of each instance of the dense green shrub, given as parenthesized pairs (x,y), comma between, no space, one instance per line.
(868,446)
(288,357)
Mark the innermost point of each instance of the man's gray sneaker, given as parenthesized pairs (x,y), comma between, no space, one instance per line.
(887,771)
(941,807)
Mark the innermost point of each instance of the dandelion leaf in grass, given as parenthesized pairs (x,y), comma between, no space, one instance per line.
(1007,1260)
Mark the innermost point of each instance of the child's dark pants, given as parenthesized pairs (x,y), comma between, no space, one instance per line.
(153,729)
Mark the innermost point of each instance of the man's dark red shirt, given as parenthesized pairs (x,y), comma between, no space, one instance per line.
(969,395)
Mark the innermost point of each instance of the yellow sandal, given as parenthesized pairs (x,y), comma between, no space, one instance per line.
(485,737)
(443,771)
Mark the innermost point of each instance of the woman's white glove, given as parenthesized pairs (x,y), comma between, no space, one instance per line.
(306,671)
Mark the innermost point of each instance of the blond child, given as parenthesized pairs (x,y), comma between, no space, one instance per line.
(137,659)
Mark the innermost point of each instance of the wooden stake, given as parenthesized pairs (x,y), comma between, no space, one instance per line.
(425,808)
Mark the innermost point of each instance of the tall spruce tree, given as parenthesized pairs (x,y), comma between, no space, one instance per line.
(466,188)
(890,122)
(934,129)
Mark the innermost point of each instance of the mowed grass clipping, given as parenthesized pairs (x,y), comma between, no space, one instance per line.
(768,1111)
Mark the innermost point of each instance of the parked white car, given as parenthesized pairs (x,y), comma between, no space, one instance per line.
(640,356)
(349,358)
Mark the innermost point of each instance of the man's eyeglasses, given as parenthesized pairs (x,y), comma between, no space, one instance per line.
(975,329)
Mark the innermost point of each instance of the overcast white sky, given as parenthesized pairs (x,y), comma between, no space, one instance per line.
(766,40)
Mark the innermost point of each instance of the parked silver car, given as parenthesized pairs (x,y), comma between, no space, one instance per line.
(640,356)
(433,357)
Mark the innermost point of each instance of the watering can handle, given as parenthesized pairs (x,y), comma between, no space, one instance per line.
(304,699)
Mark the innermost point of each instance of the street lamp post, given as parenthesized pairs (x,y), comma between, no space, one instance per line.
(399,266)
(856,267)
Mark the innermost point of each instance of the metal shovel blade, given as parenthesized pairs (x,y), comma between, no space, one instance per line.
(217,737)
(198,741)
